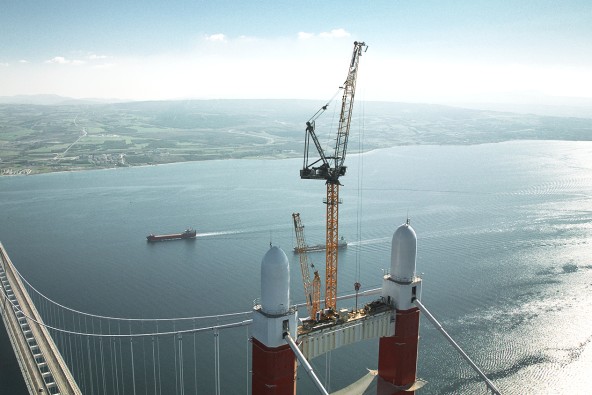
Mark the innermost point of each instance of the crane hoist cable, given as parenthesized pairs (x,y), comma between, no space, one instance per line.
(357,284)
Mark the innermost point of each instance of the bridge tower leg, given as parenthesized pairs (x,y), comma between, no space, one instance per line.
(397,354)
(273,361)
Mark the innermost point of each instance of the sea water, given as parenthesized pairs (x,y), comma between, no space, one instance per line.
(504,248)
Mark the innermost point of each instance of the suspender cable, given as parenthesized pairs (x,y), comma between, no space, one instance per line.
(70,352)
(195,358)
(82,361)
(144,360)
(121,360)
(133,368)
(154,364)
(94,350)
(102,358)
(158,354)
(90,374)
(113,356)
(217,361)
(181,376)
(175,357)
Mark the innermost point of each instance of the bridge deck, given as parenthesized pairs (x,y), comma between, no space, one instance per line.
(40,361)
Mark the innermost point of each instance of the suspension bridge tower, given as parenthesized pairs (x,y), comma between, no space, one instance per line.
(397,354)
(273,361)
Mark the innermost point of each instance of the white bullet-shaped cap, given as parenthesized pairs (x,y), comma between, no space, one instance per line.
(275,282)
(403,253)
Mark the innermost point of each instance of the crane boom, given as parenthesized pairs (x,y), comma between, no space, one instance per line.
(347,103)
(311,290)
(330,168)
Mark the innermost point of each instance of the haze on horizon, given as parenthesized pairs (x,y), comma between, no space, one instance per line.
(419,51)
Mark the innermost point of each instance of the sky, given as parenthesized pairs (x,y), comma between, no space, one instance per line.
(418,51)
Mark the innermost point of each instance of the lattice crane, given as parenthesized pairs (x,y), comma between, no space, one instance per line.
(312,291)
(330,168)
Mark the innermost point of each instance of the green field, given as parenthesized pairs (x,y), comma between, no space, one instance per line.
(45,138)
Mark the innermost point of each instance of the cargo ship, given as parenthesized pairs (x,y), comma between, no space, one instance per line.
(188,234)
(342,243)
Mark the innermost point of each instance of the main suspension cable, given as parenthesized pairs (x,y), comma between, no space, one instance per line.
(121,318)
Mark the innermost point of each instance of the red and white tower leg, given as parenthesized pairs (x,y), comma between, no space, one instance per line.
(273,361)
(397,354)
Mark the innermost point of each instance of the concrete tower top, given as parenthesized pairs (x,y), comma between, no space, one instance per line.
(403,253)
(275,282)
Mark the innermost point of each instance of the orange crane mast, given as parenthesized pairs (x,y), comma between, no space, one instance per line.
(330,168)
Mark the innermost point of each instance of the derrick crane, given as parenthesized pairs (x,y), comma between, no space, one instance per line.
(330,168)
(312,292)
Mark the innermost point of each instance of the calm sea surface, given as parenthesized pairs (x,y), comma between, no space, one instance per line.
(504,245)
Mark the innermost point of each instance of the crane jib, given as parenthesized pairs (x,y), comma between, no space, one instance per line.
(310,169)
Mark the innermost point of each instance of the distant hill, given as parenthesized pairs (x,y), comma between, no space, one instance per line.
(557,107)
(575,109)
(51,100)
(56,133)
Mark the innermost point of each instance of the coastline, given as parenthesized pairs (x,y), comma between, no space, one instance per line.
(32,172)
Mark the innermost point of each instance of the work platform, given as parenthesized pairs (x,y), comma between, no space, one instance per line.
(42,365)
(319,337)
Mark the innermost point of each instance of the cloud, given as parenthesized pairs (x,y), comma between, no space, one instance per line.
(63,60)
(305,36)
(335,33)
(58,60)
(219,37)
(23,61)
(4,64)
(93,56)
(244,38)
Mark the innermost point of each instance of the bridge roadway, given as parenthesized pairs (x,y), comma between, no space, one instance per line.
(42,365)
